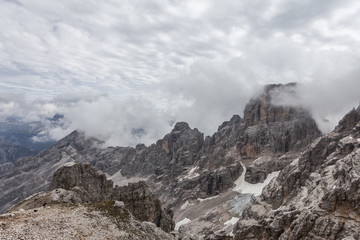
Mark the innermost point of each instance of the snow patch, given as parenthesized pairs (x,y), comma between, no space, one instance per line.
(294,162)
(185,205)
(205,199)
(121,180)
(191,173)
(232,221)
(192,170)
(358,139)
(243,187)
(182,222)
(239,203)
(69,164)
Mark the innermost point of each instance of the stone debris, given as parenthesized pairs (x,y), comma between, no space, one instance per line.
(76,221)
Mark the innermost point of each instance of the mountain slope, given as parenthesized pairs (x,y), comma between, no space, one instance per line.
(82,204)
(183,166)
(91,221)
(317,196)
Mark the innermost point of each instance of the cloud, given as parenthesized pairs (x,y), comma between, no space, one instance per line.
(140,64)
(117,122)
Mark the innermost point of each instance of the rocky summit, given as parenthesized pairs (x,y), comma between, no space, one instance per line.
(267,175)
(317,196)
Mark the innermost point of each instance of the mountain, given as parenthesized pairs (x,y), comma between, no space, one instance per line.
(207,182)
(79,193)
(317,196)
(16,138)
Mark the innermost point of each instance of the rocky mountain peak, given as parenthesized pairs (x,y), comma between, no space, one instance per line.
(262,109)
(317,196)
(349,121)
(275,127)
(181,126)
(83,176)
(182,139)
(235,119)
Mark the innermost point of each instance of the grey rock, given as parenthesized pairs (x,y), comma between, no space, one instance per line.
(316,196)
(272,129)
(81,183)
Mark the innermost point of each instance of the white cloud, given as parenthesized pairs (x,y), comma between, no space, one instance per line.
(180,60)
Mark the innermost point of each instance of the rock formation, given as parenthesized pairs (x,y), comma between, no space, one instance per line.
(183,166)
(317,196)
(273,130)
(81,183)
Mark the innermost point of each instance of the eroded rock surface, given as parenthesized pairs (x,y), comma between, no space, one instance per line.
(317,196)
(81,183)
(101,220)
(273,130)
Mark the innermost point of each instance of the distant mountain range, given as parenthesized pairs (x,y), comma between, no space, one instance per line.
(16,138)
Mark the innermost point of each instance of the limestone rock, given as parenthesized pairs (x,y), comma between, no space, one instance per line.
(143,205)
(81,183)
(272,129)
(317,196)
(83,176)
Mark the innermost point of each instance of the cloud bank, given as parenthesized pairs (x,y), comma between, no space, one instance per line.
(125,71)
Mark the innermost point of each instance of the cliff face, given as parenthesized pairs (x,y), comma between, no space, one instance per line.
(277,129)
(317,196)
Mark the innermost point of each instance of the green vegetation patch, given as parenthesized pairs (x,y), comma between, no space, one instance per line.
(120,216)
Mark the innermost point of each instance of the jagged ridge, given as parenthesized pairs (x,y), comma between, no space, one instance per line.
(317,196)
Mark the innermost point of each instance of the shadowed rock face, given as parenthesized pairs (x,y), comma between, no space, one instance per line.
(142,204)
(83,176)
(315,197)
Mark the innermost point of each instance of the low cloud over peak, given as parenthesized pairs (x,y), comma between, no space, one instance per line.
(137,66)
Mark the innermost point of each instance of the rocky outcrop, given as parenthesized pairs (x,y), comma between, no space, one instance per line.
(349,121)
(274,130)
(144,206)
(84,176)
(317,196)
(81,183)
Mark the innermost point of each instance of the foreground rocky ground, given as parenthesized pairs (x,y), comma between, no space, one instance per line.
(102,220)
(83,204)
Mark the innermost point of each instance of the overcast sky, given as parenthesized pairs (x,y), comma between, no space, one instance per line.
(113,66)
